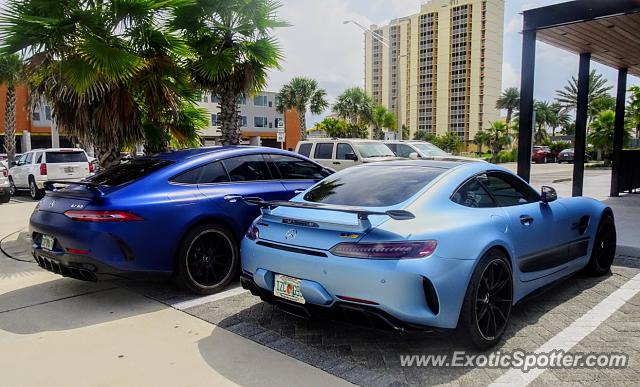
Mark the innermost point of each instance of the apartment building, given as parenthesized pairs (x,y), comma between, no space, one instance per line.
(439,70)
(258,118)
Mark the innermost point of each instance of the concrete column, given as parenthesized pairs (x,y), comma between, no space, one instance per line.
(55,135)
(526,104)
(255,141)
(580,145)
(26,141)
(618,134)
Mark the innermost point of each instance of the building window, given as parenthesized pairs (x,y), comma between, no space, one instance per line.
(260,100)
(35,115)
(47,113)
(242,121)
(260,122)
(205,98)
(214,120)
(243,100)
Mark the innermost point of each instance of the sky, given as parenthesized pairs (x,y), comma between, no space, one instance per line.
(318,45)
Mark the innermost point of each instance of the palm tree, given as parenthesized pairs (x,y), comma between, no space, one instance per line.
(302,94)
(509,101)
(482,138)
(107,68)
(233,50)
(355,106)
(633,109)
(558,117)
(382,118)
(334,127)
(543,111)
(11,70)
(598,88)
(602,130)
(498,137)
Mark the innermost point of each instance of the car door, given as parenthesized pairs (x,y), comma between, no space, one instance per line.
(232,179)
(535,227)
(345,156)
(323,154)
(22,178)
(296,174)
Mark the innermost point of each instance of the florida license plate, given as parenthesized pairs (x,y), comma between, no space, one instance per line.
(47,242)
(288,288)
(69,169)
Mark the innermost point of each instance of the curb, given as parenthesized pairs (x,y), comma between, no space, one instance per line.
(17,246)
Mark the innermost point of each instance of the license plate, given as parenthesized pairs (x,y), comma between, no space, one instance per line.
(69,169)
(47,242)
(288,288)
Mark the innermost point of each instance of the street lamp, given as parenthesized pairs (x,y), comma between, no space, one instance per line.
(385,42)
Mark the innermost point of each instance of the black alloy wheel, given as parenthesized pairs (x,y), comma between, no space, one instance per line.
(13,191)
(604,247)
(208,259)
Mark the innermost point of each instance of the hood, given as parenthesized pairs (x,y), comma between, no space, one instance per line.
(376,159)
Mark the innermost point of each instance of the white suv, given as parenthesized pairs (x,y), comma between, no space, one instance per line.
(36,167)
(339,154)
(5,194)
(422,150)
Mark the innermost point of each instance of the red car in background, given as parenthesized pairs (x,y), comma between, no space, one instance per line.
(543,154)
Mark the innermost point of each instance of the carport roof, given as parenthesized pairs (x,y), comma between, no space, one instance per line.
(608,29)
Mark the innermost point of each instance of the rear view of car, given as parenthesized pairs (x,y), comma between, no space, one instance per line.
(566,156)
(5,194)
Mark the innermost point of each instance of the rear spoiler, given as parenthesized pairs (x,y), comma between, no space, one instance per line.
(49,185)
(363,214)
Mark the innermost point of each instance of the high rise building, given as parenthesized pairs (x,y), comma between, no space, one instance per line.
(439,70)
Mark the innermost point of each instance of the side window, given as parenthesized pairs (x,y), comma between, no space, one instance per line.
(39,158)
(404,150)
(207,174)
(292,168)
(305,149)
(23,159)
(29,158)
(189,177)
(324,151)
(393,147)
(473,194)
(342,150)
(509,190)
(247,168)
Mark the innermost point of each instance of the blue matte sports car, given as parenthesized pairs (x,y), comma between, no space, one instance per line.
(174,213)
(422,245)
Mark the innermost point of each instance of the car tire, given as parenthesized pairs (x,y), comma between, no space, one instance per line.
(5,198)
(207,260)
(35,192)
(13,190)
(604,248)
(487,303)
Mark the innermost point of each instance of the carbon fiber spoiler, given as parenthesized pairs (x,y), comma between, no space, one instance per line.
(362,213)
(48,185)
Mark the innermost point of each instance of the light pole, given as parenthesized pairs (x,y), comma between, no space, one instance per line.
(385,42)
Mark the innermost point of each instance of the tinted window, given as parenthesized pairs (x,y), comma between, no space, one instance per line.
(207,174)
(473,194)
(39,158)
(305,149)
(508,190)
(404,150)
(29,158)
(128,172)
(323,151)
(23,159)
(372,186)
(342,150)
(247,168)
(393,147)
(374,149)
(66,157)
(293,168)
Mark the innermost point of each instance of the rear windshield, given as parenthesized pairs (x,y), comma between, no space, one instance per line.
(128,172)
(374,149)
(66,157)
(372,186)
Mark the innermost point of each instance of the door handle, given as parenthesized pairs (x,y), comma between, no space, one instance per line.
(526,220)
(232,198)
(298,191)
(336,163)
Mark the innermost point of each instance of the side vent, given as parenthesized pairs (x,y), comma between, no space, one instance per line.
(431,296)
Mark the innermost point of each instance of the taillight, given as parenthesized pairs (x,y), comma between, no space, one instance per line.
(253,233)
(386,250)
(90,167)
(43,169)
(103,216)
(5,173)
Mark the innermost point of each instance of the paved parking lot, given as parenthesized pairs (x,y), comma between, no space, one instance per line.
(232,337)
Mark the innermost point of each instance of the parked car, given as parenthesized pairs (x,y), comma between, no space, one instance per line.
(422,150)
(174,213)
(5,187)
(34,168)
(422,245)
(543,154)
(344,153)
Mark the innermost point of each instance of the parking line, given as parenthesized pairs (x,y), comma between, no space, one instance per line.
(214,297)
(574,333)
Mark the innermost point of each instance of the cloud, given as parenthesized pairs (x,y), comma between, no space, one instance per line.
(510,77)
(514,25)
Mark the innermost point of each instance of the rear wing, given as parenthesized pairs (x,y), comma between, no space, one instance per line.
(49,185)
(362,213)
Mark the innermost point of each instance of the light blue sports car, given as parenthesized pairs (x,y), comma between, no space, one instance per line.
(422,245)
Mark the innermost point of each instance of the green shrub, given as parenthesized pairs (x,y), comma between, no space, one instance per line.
(506,156)
(559,146)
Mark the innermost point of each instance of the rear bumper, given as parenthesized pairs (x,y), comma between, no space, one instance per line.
(421,292)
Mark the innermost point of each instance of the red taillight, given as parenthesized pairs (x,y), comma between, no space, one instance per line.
(90,167)
(43,169)
(103,216)
(5,173)
(253,233)
(77,251)
(388,250)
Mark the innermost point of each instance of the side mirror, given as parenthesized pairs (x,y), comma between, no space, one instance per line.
(414,156)
(351,156)
(14,164)
(548,194)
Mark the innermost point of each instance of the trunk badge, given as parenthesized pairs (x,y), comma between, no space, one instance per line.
(292,233)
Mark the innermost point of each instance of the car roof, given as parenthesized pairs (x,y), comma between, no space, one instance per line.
(221,151)
(339,139)
(57,150)
(419,163)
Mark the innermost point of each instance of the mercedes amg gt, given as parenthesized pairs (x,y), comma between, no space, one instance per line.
(422,245)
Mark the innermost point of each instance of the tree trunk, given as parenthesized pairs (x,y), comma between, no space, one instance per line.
(10,125)
(509,115)
(229,116)
(106,151)
(354,127)
(302,120)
